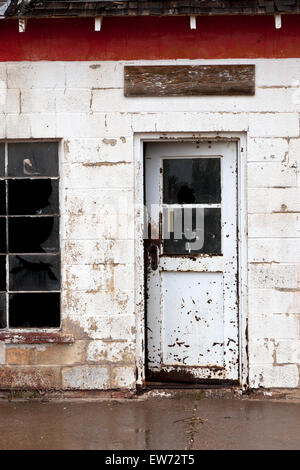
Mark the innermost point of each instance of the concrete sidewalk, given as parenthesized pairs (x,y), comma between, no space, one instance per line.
(157,422)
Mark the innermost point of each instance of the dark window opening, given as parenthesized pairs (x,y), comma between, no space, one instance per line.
(34,273)
(2,310)
(194,184)
(2,273)
(32,197)
(212,234)
(192,181)
(33,235)
(29,235)
(42,310)
(3,236)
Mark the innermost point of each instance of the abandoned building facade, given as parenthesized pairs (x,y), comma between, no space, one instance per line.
(150,194)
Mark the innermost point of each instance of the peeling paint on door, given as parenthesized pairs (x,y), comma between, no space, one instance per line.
(192,314)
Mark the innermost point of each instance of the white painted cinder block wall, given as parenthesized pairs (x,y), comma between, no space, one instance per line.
(83,104)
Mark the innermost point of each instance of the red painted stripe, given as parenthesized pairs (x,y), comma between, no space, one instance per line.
(150,38)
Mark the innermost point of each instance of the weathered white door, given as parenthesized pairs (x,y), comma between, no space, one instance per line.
(191,261)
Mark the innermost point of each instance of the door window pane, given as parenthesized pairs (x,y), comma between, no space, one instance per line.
(188,231)
(191,181)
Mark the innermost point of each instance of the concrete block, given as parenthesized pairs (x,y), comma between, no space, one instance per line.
(38,100)
(20,354)
(202,122)
(98,252)
(93,303)
(274,250)
(271,275)
(268,376)
(288,351)
(123,327)
(104,149)
(274,72)
(278,300)
(261,351)
(268,200)
(271,174)
(36,75)
(285,225)
(99,201)
(11,103)
(111,351)
(99,277)
(189,122)
(115,227)
(70,100)
(123,377)
(122,351)
(30,377)
(271,326)
(259,149)
(99,175)
(274,125)
(42,126)
(98,351)
(18,126)
(294,151)
(80,125)
(61,354)
(95,75)
(85,377)
(118,124)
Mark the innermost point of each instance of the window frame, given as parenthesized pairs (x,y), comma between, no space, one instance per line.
(32,334)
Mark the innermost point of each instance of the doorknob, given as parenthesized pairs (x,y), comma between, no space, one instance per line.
(153,255)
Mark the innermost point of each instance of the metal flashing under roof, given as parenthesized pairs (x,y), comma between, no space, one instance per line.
(92,8)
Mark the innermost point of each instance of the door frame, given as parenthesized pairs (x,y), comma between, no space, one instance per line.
(139,270)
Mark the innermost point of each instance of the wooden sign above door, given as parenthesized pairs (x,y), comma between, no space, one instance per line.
(189,80)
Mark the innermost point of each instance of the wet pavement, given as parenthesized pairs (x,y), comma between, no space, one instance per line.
(150,423)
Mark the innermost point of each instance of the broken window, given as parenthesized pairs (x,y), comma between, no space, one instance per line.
(29,235)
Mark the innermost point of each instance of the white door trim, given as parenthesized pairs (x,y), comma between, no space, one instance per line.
(139,140)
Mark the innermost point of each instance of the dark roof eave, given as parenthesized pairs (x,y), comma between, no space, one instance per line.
(77,8)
